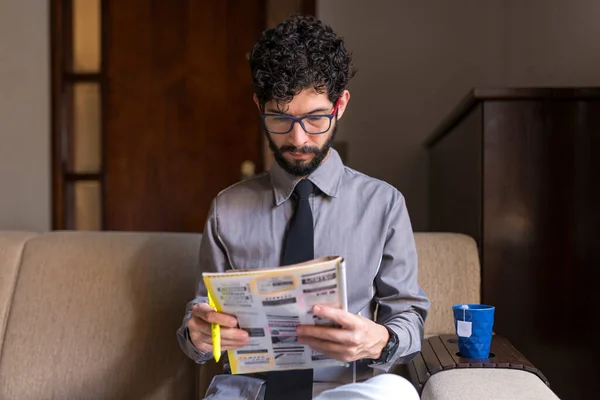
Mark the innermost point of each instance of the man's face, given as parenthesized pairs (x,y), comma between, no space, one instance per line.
(298,152)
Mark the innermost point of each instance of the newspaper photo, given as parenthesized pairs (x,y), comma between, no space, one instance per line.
(270,303)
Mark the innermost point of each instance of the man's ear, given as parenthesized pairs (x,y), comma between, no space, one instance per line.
(344,99)
(257,103)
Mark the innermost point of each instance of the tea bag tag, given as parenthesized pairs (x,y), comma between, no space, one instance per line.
(463,328)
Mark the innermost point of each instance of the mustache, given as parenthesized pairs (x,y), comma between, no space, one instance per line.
(303,149)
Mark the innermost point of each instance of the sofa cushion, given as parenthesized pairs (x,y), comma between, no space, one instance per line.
(11,249)
(94,316)
(486,383)
(449,274)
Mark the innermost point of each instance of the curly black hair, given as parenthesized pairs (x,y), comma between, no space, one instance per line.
(301,52)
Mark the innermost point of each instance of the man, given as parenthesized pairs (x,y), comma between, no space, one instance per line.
(308,206)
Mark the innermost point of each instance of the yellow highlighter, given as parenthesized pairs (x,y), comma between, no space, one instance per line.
(215,332)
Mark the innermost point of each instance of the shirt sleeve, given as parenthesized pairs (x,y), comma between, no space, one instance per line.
(212,258)
(401,303)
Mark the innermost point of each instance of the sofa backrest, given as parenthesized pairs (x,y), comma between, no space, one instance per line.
(449,274)
(11,250)
(94,316)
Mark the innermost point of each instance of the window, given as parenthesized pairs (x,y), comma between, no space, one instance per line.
(78,84)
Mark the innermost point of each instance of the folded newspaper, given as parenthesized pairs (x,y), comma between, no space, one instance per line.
(270,303)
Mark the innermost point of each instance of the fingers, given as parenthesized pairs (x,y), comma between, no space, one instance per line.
(227,334)
(206,313)
(344,318)
(231,338)
(201,333)
(234,334)
(335,335)
(336,351)
(232,345)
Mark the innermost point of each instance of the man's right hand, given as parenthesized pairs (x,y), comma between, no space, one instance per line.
(200,331)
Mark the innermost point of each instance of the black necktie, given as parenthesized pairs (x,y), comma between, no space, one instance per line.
(298,247)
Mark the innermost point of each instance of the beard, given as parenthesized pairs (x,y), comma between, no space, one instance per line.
(299,167)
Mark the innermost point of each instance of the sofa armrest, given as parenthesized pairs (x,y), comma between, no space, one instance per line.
(486,383)
(440,353)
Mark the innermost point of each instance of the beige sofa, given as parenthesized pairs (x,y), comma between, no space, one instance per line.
(93,316)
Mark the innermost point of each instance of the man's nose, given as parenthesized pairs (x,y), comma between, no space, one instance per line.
(297,136)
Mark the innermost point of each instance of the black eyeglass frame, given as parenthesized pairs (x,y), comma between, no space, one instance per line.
(300,120)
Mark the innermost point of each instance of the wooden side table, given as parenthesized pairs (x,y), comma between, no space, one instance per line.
(440,353)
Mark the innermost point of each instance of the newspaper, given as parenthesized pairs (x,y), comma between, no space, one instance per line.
(270,303)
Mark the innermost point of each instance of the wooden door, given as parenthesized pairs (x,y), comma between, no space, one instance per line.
(179,115)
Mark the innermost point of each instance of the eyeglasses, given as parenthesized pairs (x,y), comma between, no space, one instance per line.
(314,124)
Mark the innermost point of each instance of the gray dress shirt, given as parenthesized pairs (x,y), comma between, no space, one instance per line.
(360,218)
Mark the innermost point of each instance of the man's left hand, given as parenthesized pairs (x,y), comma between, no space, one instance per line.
(357,338)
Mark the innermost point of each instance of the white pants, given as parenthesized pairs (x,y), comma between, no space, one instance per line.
(380,387)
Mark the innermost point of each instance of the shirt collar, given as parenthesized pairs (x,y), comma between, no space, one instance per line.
(326,177)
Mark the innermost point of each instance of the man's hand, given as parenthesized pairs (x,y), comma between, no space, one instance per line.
(200,333)
(358,337)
